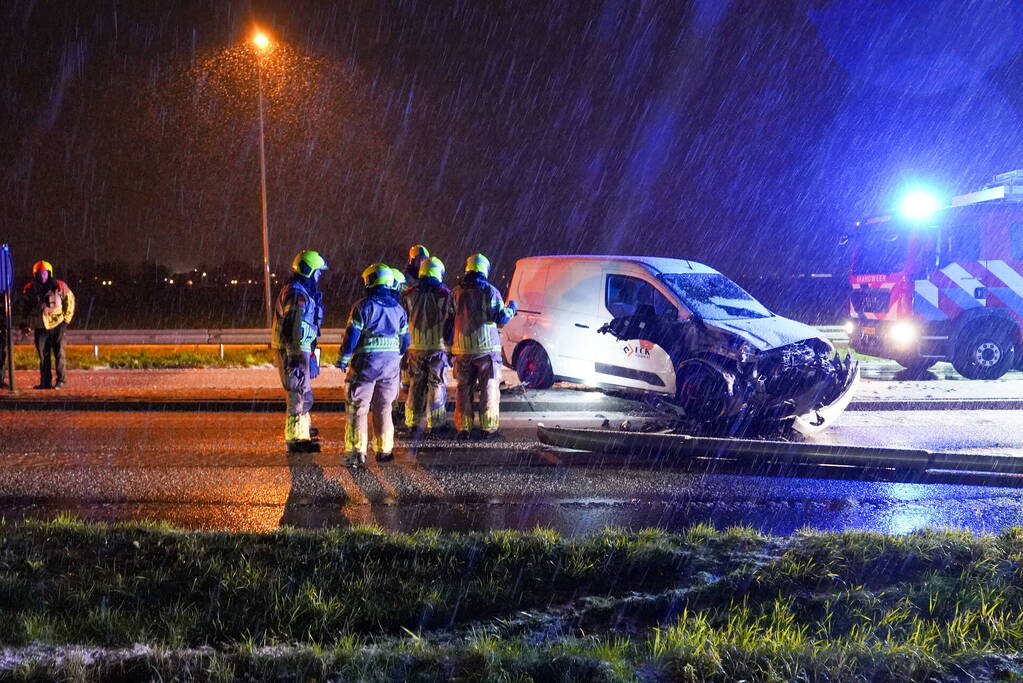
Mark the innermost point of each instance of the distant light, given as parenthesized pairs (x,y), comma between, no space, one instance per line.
(919,205)
(261,41)
(171,281)
(903,334)
(849,327)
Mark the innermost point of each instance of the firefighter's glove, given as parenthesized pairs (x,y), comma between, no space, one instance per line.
(514,306)
(314,366)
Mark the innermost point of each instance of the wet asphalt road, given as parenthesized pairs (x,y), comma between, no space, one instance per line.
(227,471)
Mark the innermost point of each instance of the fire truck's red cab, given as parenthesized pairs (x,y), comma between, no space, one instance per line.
(943,285)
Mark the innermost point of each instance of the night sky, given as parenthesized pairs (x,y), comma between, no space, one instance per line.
(745,134)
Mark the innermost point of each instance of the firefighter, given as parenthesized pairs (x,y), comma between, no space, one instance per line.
(429,306)
(298,315)
(477,311)
(48,306)
(417,253)
(399,283)
(375,339)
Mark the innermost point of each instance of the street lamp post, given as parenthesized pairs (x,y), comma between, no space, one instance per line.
(262,43)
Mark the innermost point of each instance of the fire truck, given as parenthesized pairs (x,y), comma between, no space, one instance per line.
(942,281)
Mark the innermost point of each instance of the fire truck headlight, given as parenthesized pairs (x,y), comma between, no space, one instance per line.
(903,334)
(919,205)
(849,327)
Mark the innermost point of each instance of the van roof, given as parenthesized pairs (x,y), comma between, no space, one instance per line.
(658,264)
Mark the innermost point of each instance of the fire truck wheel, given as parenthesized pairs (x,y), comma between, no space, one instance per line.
(533,366)
(985,353)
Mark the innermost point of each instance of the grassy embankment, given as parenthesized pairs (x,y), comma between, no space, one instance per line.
(162,357)
(364,604)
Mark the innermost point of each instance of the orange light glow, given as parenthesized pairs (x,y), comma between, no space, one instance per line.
(261,40)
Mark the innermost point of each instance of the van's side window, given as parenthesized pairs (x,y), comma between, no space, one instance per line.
(626,294)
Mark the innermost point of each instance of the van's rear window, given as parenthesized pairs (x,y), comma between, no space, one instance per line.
(712,296)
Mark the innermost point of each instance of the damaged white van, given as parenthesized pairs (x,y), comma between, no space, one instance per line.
(674,329)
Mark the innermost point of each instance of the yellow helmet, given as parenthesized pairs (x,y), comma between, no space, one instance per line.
(432,267)
(308,262)
(378,274)
(42,265)
(400,282)
(418,251)
(478,263)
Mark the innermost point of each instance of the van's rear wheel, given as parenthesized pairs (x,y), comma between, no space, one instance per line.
(533,367)
(986,352)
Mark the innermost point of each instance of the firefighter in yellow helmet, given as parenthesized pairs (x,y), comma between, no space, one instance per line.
(47,308)
(429,307)
(375,339)
(478,310)
(298,316)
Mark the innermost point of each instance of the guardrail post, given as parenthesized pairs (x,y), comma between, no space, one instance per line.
(221,351)
(95,350)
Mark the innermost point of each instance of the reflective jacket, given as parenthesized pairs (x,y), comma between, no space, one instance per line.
(428,305)
(46,305)
(478,310)
(377,324)
(298,315)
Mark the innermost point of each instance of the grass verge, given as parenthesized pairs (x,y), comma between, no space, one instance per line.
(159,357)
(109,602)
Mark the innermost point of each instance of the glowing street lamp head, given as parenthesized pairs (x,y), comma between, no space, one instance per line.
(261,41)
(918,206)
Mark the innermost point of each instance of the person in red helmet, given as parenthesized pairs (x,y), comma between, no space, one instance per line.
(417,253)
(47,308)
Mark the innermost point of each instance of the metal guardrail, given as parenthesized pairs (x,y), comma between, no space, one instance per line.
(246,337)
(231,337)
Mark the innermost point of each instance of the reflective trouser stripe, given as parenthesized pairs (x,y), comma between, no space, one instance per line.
(480,374)
(427,394)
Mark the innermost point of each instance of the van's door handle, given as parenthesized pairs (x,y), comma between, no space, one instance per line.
(585,327)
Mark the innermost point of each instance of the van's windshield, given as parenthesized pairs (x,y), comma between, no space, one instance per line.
(712,296)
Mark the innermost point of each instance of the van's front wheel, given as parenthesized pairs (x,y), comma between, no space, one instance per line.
(533,366)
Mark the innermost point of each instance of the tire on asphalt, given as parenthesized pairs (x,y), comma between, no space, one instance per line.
(533,366)
(915,366)
(987,350)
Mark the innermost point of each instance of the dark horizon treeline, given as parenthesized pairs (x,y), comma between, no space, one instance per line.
(148,295)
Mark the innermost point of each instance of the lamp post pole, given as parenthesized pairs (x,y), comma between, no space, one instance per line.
(262,196)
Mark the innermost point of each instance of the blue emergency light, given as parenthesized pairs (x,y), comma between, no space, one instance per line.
(917,206)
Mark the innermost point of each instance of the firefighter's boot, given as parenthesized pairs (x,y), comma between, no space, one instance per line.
(296,434)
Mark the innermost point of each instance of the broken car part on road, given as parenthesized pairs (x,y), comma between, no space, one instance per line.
(752,452)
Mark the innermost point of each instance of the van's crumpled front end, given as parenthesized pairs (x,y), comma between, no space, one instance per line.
(740,376)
